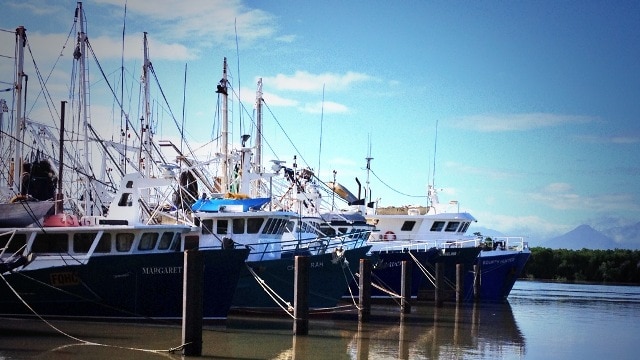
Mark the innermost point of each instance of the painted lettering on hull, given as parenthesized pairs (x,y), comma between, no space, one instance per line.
(498,261)
(312,265)
(64,279)
(162,270)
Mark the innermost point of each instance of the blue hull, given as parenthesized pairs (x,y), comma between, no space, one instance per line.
(498,274)
(123,287)
(387,272)
(328,281)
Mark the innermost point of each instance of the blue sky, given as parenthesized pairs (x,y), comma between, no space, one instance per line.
(536,103)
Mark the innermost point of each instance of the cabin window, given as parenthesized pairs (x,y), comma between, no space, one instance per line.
(238,226)
(408,226)
(165,240)
(328,230)
(124,241)
(280,226)
(191,242)
(275,226)
(342,230)
(270,227)
(207,227)
(82,242)
(104,245)
(125,200)
(437,226)
(452,226)
(291,226)
(13,244)
(223,225)
(51,243)
(148,241)
(464,227)
(254,225)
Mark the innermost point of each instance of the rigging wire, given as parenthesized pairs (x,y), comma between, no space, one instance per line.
(287,136)
(396,190)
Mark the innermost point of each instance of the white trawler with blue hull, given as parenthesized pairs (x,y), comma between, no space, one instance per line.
(500,260)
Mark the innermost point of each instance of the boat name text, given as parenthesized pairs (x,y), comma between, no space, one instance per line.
(64,279)
(502,261)
(163,270)
(312,265)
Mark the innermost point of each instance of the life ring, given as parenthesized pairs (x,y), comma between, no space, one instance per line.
(389,236)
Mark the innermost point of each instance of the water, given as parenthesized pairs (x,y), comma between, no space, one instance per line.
(540,321)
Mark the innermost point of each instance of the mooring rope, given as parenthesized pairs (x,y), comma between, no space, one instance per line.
(272,294)
(83,342)
(429,276)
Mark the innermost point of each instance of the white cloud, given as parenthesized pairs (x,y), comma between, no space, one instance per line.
(492,173)
(35,7)
(518,122)
(562,196)
(530,226)
(610,139)
(215,20)
(272,99)
(305,81)
(327,107)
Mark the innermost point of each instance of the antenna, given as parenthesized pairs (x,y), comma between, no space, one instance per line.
(435,150)
(368,158)
(321,120)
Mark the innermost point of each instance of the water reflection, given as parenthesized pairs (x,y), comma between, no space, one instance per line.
(473,331)
(468,331)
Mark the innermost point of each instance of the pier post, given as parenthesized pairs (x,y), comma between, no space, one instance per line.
(439,284)
(301,296)
(459,283)
(405,289)
(364,298)
(476,282)
(192,303)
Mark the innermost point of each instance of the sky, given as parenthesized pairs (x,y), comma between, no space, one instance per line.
(525,112)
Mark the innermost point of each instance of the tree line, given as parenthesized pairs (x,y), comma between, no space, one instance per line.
(602,266)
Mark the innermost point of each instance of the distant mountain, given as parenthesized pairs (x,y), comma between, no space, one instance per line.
(484,231)
(582,237)
(627,237)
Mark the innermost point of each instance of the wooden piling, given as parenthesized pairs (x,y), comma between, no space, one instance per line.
(476,282)
(459,283)
(439,293)
(301,296)
(364,311)
(405,289)
(192,303)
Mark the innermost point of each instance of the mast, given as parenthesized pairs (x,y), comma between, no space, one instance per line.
(222,89)
(368,188)
(59,195)
(80,55)
(21,39)
(259,126)
(145,152)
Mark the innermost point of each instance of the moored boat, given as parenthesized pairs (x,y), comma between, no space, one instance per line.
(498,264)
(113,267)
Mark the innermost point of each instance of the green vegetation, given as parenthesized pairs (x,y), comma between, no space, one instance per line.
(608,266)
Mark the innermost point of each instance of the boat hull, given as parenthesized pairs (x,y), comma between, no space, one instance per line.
(499,271)
(387,271)
(328,280)
(121,287)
